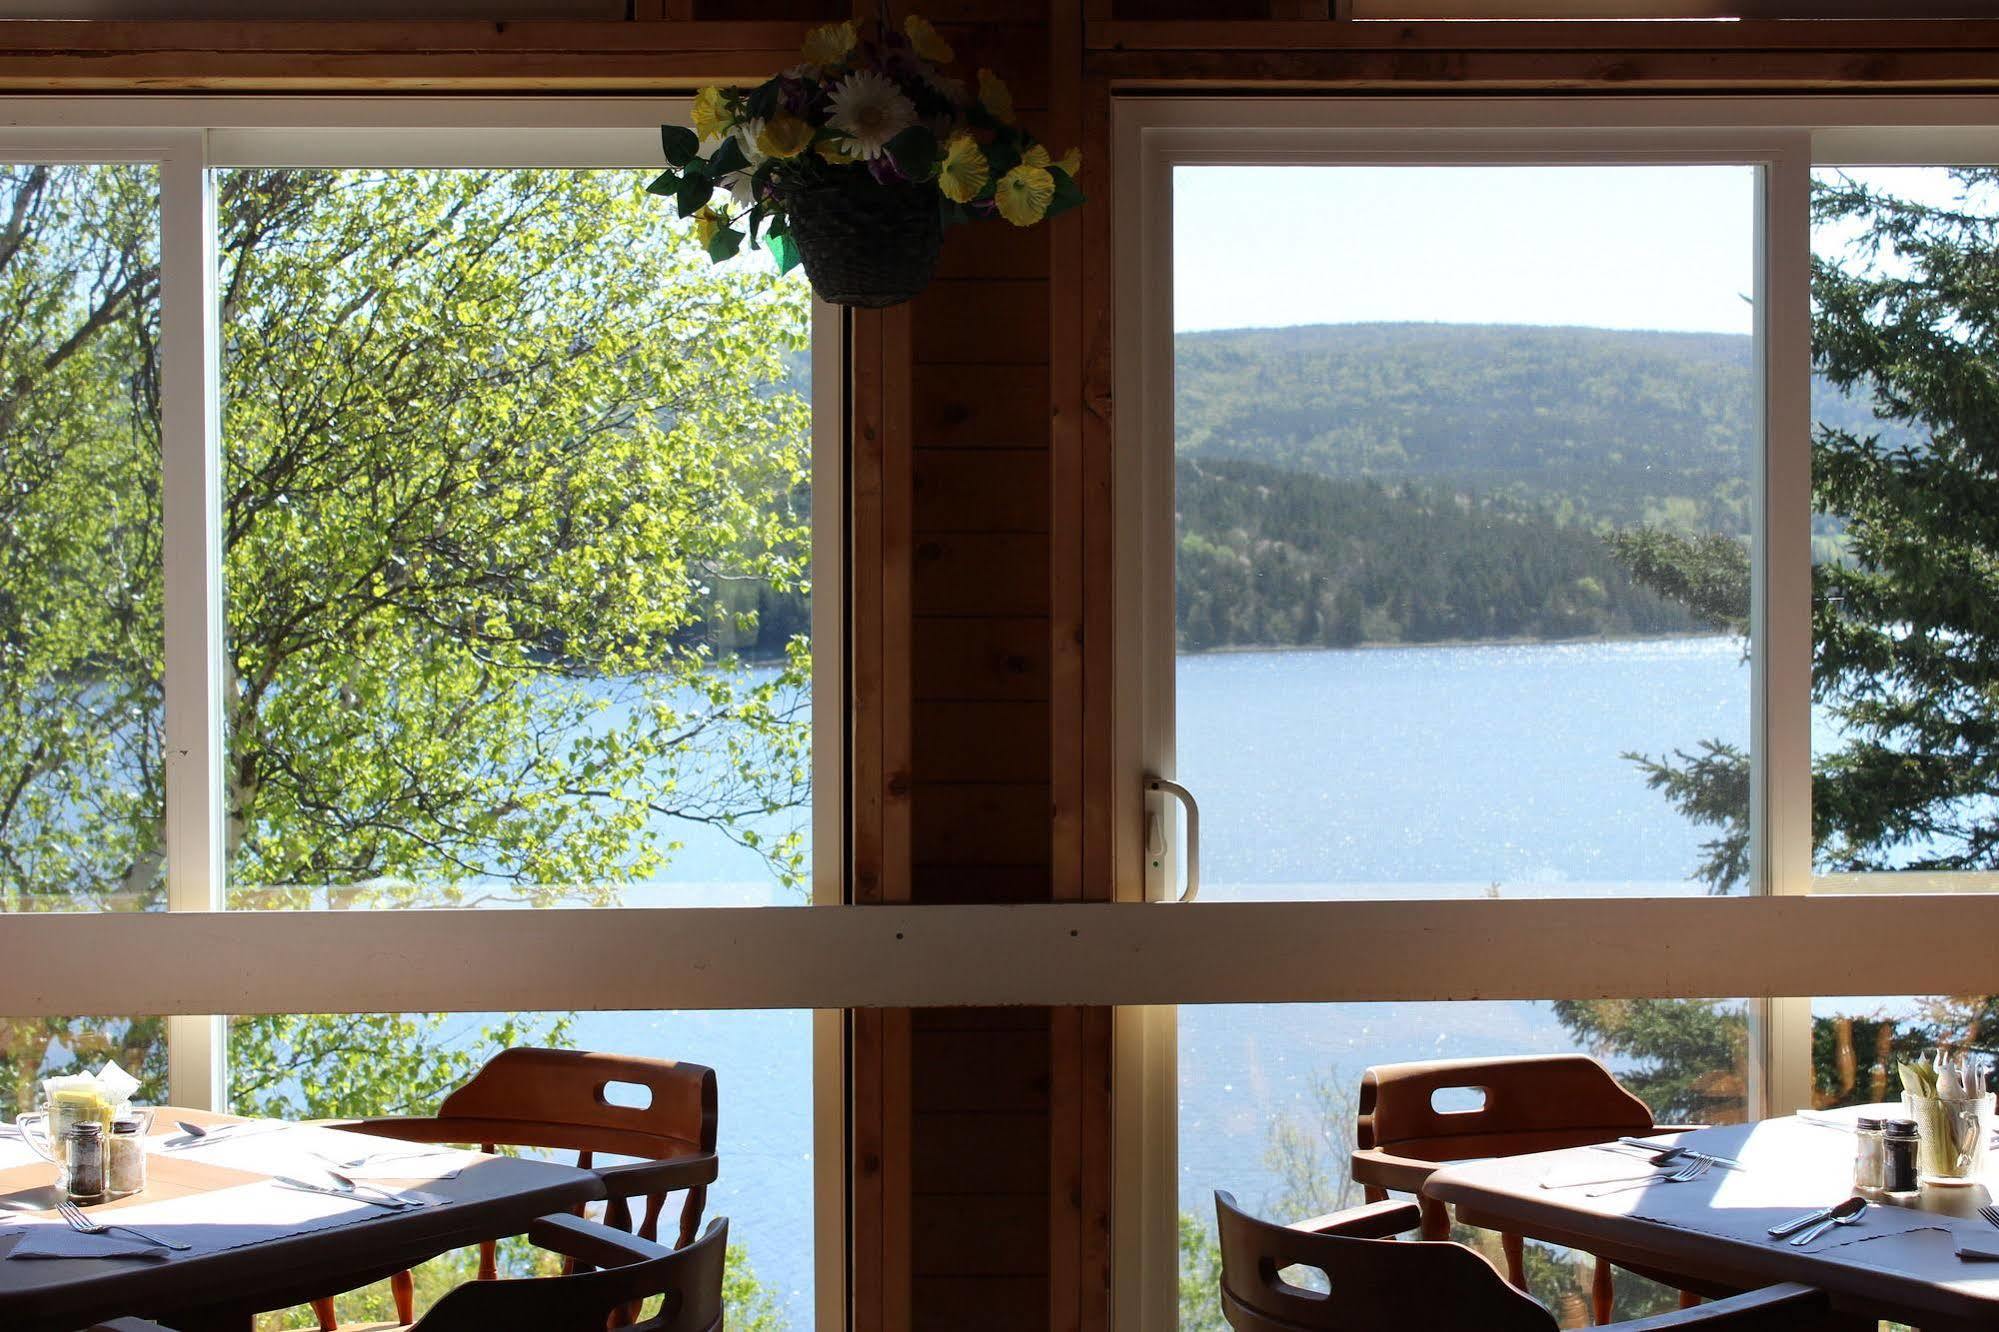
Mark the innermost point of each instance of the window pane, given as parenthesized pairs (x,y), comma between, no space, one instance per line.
(33,1048)
(1904,671)
(1857,1042)
(81,644)
(1464,470)
(340,1065)
(1269,1094)
(517,546)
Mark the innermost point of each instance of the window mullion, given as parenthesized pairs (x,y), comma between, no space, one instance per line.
(191,500)
(1781,821)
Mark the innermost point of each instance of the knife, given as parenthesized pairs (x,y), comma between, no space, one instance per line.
(291,1183)
(1793,1227)
(1725,1162)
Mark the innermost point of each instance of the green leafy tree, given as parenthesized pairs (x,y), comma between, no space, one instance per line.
(509,474)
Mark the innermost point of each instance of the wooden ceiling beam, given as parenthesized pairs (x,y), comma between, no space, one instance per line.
(1815,35)
(351,55)
(1958,70)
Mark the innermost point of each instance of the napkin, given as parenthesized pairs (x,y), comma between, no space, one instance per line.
(56,1241)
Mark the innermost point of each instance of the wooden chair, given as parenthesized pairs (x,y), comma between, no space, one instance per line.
(629,1271)
(555,1100)
(1532,1103)
(1378,1284)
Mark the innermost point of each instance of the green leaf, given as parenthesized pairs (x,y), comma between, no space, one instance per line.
(724,244)
(914,152)
(1067,193)
(694,193)
(783,250)
(665,183)
(1002,157)
(680,144)
(728,157)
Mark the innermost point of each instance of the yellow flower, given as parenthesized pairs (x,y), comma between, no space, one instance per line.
(784,135)
(830,44)
(1037,156)
(833,150)
(706,223)
(965,170)
(1071,163)
(711,118)
(1024,194)
(923,39)
(993,95)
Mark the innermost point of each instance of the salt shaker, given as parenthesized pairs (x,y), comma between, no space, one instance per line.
(1869,1153)
(85,1149)
(125,1171)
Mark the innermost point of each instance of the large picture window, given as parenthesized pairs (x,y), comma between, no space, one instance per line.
(488,532)
(1572,506)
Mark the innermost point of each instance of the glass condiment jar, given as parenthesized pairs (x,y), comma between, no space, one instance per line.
(1899,1143)
(83,1162)
(125,1166)
(1869,1153)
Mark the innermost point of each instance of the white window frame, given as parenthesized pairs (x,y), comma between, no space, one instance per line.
(187,139)
(1783,140)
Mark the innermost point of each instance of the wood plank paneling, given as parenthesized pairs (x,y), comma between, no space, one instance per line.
(1004,406)
(979,740)
(998,1072)
(980,1304)
(982,490)
(981,1152)
(981,575)
(944,885)
(981,823)
(998,321)
(985,1234)
(988,658)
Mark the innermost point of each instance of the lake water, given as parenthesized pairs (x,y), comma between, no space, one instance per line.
(1381,772)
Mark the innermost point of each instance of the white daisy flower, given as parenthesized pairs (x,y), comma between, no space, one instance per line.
(870,110)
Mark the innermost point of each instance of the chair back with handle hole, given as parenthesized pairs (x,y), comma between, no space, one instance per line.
(560,1100)
(689,1280)
(1533,1103)
(1374,1282)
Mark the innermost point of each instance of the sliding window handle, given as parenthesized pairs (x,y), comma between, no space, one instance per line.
(1186,798)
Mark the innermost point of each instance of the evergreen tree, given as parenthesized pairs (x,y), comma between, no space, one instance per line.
(1905,613)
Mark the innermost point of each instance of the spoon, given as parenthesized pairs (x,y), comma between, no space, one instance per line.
(364,1192)
(1846,1214)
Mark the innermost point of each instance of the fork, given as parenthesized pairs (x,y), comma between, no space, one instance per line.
(1686,1174)
(86,1225)
(1990,1213)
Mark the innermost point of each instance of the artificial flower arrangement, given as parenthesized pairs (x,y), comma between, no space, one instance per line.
(855,160)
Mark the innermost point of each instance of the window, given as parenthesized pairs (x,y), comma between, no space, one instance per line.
(412,517)
(1327,486)
(1437,486)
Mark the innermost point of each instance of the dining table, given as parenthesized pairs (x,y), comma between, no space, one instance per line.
(1898,1258)
(263,1220)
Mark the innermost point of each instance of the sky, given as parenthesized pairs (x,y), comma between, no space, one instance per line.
(1645,247)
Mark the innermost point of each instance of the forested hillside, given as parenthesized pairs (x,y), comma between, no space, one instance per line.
(1611,426)
(1389,483)
(1273,556)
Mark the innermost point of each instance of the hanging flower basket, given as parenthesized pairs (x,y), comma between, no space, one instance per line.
(854,162)
(862,243)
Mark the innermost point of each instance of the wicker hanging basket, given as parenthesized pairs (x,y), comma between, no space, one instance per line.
(863,243)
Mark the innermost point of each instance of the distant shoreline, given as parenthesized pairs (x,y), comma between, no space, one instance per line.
(1239,648)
